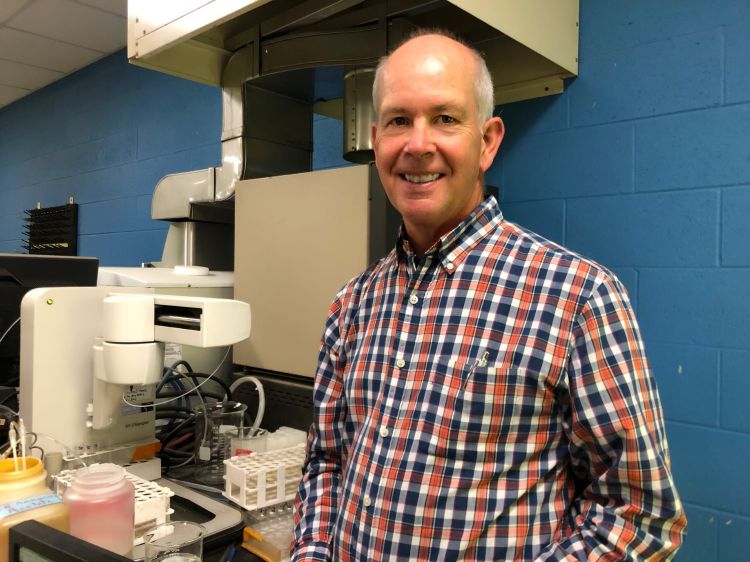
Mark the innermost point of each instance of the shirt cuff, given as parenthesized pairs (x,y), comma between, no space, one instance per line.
(312,552)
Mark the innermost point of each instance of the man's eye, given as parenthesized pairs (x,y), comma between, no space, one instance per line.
(399,121)
(446,119)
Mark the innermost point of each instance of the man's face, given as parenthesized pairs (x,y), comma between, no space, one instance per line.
(430,148)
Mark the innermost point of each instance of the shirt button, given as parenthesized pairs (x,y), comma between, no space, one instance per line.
(414,299)
(383,431)
(400,363)
(449,265)
(367,501)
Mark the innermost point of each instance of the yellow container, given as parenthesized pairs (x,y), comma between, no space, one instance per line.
(24,495)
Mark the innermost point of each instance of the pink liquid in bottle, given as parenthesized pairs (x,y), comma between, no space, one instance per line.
(101,502)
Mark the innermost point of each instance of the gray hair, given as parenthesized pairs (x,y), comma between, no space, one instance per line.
(484,91)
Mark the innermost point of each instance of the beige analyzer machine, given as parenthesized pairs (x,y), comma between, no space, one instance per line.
(298,239)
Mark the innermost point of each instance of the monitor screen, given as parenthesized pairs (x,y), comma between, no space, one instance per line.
(20,273)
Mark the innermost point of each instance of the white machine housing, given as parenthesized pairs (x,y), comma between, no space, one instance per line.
(180,281)
(91,356)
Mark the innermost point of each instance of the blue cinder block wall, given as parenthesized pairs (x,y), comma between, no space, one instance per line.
(104,136)
(642,164)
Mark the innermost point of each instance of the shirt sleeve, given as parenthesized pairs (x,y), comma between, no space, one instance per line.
(626,506)
(318,495)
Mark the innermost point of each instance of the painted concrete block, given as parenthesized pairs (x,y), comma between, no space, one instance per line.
(169,135)
(607,26)
(100,119)
(701,540)
(570,163)
(688,382)
(651,230)
(543,217)
(540,115)
(113,150)
(735,226)
(11,226)
(735,389)
(702,473)
(328,143)
(702,307)
(128,249)
(108,183)
(11,246)
(657,20)
(111,215)
(697,149)
(161,97)
(675,74)
(733,533)
(737,65)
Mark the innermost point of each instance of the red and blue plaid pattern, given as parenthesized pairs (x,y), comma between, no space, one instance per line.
(491,401)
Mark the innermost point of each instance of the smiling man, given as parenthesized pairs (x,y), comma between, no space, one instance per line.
(482,393)
(434,137)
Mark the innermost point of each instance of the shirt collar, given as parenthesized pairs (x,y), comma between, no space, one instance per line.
(453,245)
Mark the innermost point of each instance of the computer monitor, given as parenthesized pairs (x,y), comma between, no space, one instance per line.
(19,273)
(32,541)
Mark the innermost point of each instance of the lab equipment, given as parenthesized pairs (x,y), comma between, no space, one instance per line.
(176,541)
(180,280)
(19,273)
(290,309)
(25,496)
(90,358)
(264,479)
(101,502)
(216,428)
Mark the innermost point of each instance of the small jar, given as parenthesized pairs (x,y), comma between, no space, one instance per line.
(102,507)
(24,496)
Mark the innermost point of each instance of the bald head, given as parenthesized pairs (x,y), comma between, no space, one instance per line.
(437,47)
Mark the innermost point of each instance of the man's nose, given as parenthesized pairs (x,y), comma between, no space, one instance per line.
(420,142)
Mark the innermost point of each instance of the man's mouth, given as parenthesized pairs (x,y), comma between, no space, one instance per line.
(421,178)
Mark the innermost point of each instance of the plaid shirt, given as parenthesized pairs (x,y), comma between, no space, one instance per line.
(490,401)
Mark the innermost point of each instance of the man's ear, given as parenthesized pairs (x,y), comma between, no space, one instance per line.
(492,136)
(373,133)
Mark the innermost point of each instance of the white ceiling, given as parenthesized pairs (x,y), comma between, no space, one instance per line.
(43,40)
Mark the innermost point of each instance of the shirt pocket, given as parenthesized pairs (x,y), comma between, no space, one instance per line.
(484,410)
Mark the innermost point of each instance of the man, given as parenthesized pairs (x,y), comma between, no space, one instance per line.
(482,393)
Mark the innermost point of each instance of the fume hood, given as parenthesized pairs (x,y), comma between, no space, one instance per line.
(531,45)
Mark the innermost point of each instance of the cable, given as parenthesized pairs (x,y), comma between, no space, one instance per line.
(166,375)
(171,381)
(177,428)
(9,329)
(206,393)
(181,363)
(9,410)
(171,373)
(173,413)
(155,404)
(191,456)
(261,399)
(193,376)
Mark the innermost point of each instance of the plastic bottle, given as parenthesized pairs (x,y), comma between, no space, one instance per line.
(102,507)
(24,495)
